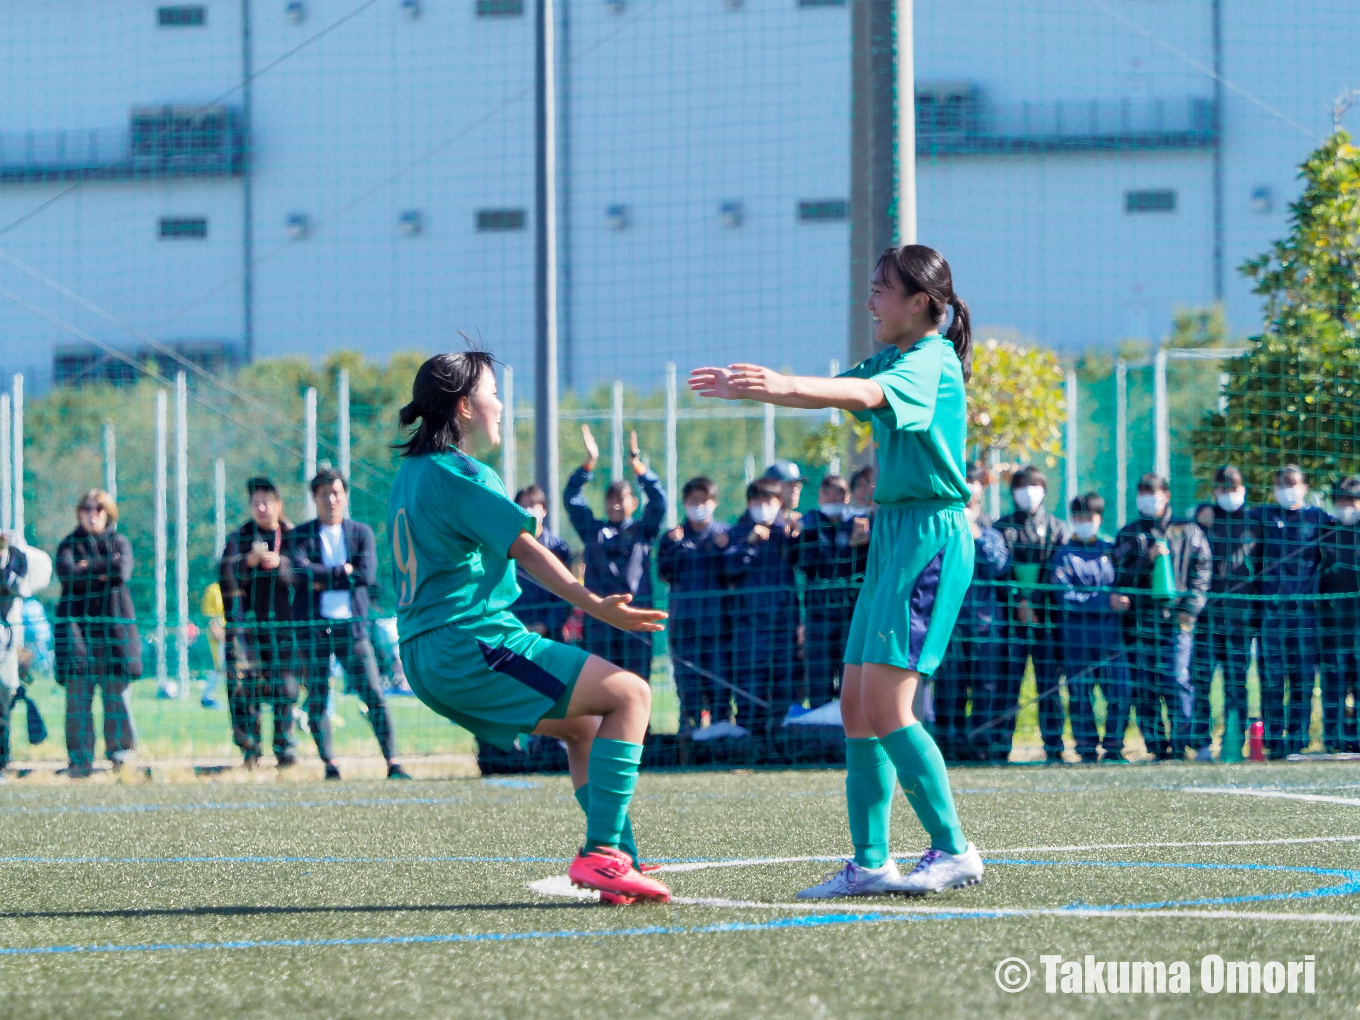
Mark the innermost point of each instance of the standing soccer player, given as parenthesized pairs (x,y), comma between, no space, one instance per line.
(920,561)
(454,535)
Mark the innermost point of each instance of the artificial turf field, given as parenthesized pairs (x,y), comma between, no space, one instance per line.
(367,899)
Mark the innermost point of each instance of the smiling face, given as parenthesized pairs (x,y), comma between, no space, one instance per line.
(896,316)
(619,506)
(479,415)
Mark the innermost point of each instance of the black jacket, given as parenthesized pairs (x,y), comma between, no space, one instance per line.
(1234,539)
(96,632)
(1289,560)
(313,576)
(1031,538)
(1340,547)
(1191,566)
(693,567)
(618,557)
(537,605)
(258,602)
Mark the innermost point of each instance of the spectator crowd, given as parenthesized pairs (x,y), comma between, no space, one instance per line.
(1116,632)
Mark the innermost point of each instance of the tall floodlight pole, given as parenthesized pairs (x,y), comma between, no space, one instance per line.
(767,449)
(1070,451)
(6,492)
(672,450)
(616,434)
(509,453)
(17,438)
(906,122)
(1161,417)
(309,450)
(182,532)
(158,525)
(545,359)
(111,461)
(342,415)
(219,507)
(1121,442)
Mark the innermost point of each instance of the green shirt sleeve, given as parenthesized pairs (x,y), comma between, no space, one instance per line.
(485,516)
(910,387)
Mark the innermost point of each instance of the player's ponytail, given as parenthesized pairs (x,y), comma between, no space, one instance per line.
(920,269)
(431,416)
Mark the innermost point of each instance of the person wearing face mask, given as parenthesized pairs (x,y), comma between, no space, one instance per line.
(973,665)
(618,550)
(758,563)
(1339,616)
(1289,564)
(1088,631)
(537,608)
(1229,625)
(689,560)
(1032,534)
(1159,629)
(832,551)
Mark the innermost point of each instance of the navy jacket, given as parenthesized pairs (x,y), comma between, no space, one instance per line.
(982,603)
(762,573)
(1289,557)
(1084,574)
(1234,538)
(693,567)
(834,568)
(536,604)
(618,557)
(313,576)
(1340,546)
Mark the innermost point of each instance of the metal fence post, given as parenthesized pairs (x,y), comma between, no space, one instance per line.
(1121,442)
(219,507)
(342,416)
(159,524)
(1161,418)
(110,461)
(309,451)
(182,532)
(6,492)
(616,434)
(672,455)
(508,449)
(17,438)
(768,447)
(1070,479)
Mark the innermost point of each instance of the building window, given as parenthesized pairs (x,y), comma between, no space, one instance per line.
(499,220)
(1153,200)
(500,8)
(181,16)
(825,210)
(178,228)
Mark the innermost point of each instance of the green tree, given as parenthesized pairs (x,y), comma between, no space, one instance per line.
(1293,396)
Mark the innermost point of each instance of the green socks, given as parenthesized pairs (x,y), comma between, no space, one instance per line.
(920,770)
(613,777)
(869,782)
(626,842)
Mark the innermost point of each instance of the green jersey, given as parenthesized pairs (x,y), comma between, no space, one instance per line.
(921,432)
(452,526)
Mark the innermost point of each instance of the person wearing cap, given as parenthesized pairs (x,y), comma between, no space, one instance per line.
(618,550)
(258,588)
(789,477)
(334,560)
(1339,616)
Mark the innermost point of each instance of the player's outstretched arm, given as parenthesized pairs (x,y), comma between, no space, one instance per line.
(545,568)
(755,382)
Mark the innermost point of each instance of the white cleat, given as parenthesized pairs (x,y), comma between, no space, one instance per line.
(937,871)
(852,880)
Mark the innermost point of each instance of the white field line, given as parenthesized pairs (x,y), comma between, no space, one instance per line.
(1312,798)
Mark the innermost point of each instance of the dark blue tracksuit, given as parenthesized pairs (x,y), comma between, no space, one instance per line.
(975,661)
(764,623)
(834,571)
(1339,616)
(1031,537)
(698,629)
(1289,565)
(537,608)
(1232,619)
(1088,636)
(618,560)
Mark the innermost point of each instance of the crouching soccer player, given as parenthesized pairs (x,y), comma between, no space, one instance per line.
(920,562)
(454,534)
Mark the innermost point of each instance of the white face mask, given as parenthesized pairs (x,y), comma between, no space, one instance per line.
(835,511)
(701,513)
(1290,496)
(1348,514)
(1149,504)
(1084,530)
(763,513)
(1231,501)
(1028,497)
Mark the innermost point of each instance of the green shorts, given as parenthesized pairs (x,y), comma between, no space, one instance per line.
(492,676)
(920,567)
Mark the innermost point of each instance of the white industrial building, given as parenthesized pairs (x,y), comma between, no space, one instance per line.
(262,177)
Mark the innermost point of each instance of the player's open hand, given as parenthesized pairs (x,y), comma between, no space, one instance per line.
(615,611)
(592,448)
(635,455)
(756,381)
(712,382)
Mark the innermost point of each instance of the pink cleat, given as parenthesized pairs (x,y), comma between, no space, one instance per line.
(610,871)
